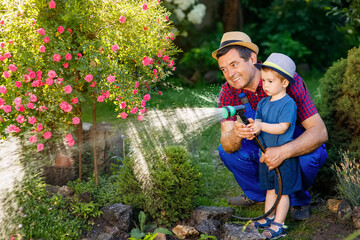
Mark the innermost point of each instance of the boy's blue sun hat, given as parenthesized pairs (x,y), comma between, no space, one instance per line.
(281,64)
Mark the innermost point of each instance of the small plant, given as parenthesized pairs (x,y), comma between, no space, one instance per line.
(85,210)
(348,175)
(206,237)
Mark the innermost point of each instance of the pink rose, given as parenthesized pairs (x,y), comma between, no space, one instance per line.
(79,55)
(32,74)
(123,115)
(47,135)
(88,78)
(160,93)
(114,47)
(100,98)
(65,106)
(75,100)
(17,84)
(111,79)
(12,67)
(155,71)
(20,119)
(66,65)
(49,81)
(145,7)
(33,139)
(69,137)
(42,48)
(147,97)
(76,120)
(3,89)
(123,105)
(39,127)
(41,31)
(32,120)
(71,143)
(135,91)
(40,147)
(143,103)
(136,84)
(33,98)
(122,19)
(52,4)
(2,44)
(52,74)
(67,89)
(167,18)
(140,117)
(171,63)
(56,57)
(13,128)
(93,84)
(134,110)
(7,55)
(166,58)
(147,61)
(38,75)
(60,29)
(68,56)
(17,101)
(6,74)
(106,94)
(46,39)
(70,31)
(20,108)
(2,101)
(30,105)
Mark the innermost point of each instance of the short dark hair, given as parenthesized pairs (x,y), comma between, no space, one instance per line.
(244,52)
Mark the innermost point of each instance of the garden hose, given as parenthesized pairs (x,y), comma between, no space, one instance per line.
(230,111)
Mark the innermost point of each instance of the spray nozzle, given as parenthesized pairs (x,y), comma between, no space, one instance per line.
(229,111)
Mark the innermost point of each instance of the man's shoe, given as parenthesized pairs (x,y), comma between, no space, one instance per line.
(299,213)
(241,200)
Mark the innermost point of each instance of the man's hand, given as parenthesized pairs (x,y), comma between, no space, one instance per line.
(273,157)
(232,133)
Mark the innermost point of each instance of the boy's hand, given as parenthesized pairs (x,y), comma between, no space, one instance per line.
(250,126)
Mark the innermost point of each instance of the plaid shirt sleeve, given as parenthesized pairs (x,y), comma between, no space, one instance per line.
(305,105)
(228,97)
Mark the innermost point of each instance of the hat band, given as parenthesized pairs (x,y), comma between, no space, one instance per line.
(270,64)
(228,42)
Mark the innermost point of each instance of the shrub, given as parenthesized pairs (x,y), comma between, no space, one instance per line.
(173,188)
(348,176)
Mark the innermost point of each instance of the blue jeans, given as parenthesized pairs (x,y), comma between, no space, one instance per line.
(244,164)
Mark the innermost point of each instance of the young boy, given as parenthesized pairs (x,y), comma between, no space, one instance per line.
(275,122)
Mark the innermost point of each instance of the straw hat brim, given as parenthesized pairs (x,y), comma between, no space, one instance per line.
(251,46)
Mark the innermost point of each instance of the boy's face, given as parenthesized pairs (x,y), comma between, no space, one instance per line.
(272,84)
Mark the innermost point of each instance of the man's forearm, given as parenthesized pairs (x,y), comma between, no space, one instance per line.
(229,142)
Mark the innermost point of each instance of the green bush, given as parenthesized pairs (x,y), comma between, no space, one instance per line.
(173,188)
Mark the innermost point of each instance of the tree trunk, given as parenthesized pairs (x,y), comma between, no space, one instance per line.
(94,143)
(232,17)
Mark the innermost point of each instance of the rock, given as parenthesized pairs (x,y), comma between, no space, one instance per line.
(66,191)
(160,236)
(222,214)
(118,215)
(185,232)
(356,216)
(333,204)
(234,231)
(209,226)
(104,236)
(52,189)
(344,210)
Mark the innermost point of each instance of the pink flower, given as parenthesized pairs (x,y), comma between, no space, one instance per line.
(76,120)
(147,97)
(100,98)
(71,143)
(68,56)
(59,80)
(65,106)
(40,147)
(46,39)
(171,63)
(2,22)
(155,71)
(114,47)
(30,105)
(122,19)
(20,108)
(70,31)
(93,84)
(134,110)
(140,117)
(66,65)
(47,135)
(67,89)
(42,48)
(32,120)
(60,29)
(142,111)
(79,55)
(12,67)
(166,58)
(75,100)
(42,108)
(20,119)
(123,105)
(33,98)
(13,128)
(41,31)
(38,75)
(17,101)
(106,94)
(143,103)
(136,84)
(167,18)
(111,79)
(7,55)
(88,78)
(32,74)
(147,61)
(17,84)
(52,74)
(123,115)
(135,91)
(49,81)
(33,139)
(56,57)
(39,127)
(160,93)
(6,74)
(145,7)
(2,44)
(3,89)
(2,101)
(52,4)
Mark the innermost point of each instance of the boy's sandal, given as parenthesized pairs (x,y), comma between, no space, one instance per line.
(271,234)
(268,222)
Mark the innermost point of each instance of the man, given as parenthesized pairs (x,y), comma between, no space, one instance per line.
(237,59)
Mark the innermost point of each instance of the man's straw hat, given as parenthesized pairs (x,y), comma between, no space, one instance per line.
(236,38)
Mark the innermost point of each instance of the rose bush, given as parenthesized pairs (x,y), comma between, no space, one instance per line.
(55,55)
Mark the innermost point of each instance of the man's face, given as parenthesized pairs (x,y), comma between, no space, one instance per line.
(237,72)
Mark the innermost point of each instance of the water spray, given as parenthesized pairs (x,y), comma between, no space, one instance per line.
(230,111)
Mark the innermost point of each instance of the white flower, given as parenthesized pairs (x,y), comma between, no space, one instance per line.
(197,14)
(180,15)
(184,4)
